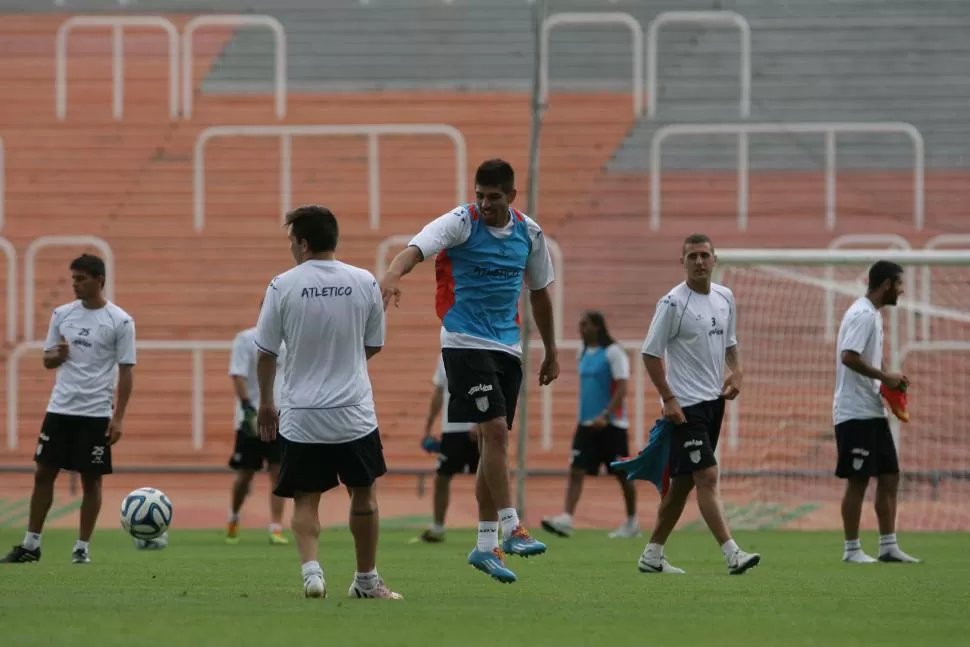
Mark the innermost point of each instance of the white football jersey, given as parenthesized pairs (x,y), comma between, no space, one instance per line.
(691,332)
(857,396)
(99,340)
(326,312)
(242,363)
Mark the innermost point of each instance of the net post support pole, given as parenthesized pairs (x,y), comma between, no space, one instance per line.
(538,15)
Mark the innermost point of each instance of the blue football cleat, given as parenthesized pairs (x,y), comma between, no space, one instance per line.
(521,543)
(492,563)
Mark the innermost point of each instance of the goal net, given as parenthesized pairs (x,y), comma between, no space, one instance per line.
(777,446)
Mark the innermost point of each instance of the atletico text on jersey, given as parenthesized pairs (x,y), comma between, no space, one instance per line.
(479,281)
(599,370)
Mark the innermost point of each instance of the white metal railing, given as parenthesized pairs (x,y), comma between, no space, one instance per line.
(30,261)
(197,348)
(729,18)
(555,251)
(286,134)
(891,241)
(593,18)
(829,130)
(942,240)
(635,391)
(11,254)
(235,20)
(117,24)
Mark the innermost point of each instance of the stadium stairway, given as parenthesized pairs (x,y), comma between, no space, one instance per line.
(130,183)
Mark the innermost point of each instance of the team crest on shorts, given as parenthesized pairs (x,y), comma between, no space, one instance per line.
(482,403)
(857,463)
(695,456)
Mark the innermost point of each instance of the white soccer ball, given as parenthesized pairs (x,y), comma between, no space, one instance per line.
(146,513)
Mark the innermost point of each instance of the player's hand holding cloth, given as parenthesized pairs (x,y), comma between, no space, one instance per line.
(651,464)
(249,425)
(897,399)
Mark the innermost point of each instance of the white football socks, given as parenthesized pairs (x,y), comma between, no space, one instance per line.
(32,541)
(653,552)
(887,544)
(367,581)
(487,536)
(509,519)
(729,548)
(311,568)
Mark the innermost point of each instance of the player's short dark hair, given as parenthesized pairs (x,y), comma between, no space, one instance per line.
(882,271)
(89,264)
(698,239)
(316,225)
(496,172)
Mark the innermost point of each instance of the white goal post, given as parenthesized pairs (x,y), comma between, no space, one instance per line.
(778,443)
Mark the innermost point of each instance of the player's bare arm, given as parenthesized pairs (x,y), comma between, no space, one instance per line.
(267,416)
(126,382)
(655,370)
(437,400)
(542,312)
(732,383)
(855,362)
(619,394)
(401,265)
(239,386)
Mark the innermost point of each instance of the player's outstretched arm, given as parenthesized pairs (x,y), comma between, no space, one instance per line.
(401,265)
(444,232)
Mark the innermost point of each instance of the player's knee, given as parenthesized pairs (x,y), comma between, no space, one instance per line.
(494,432)
(45,475)
(577,474)
(442,480)
(91,483)
(887,485)
(855,488)
(244,478)
(363,500)
(706,479)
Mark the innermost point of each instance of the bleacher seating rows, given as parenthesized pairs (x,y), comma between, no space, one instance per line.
(130,182)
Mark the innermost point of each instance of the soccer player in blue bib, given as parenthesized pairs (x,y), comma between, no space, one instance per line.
(601,433)
(482,253)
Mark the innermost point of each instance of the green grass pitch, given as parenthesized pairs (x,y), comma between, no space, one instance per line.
(585,591)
